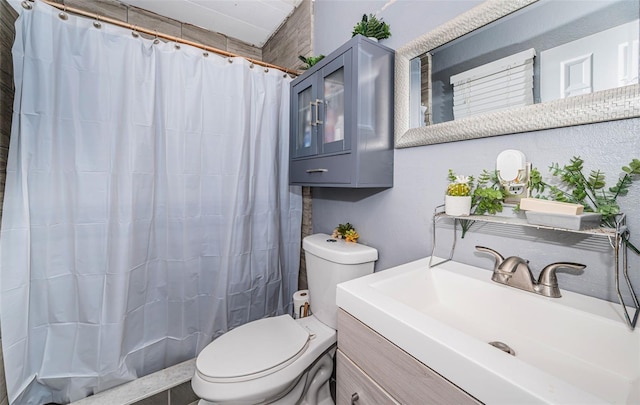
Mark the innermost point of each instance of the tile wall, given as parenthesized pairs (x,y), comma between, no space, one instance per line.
(7,35)
(292,39)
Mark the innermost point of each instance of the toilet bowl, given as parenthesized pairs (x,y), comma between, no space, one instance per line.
(280,360)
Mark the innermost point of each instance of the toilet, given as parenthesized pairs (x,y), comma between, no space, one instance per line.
(281,360)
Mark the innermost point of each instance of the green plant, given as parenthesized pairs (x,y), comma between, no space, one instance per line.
(589,191)
(309,61)
(371,26)
(487,196)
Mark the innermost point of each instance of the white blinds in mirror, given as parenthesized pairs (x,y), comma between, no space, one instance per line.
(501,84)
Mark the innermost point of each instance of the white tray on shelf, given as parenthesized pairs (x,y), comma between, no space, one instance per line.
(574,222)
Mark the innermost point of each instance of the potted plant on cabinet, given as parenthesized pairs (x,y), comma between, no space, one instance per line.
(309,61)
(372,27)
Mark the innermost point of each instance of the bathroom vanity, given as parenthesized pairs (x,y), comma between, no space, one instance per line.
(372,370)
(341,131)
(417,334)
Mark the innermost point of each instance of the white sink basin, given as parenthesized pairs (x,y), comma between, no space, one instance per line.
(570,350)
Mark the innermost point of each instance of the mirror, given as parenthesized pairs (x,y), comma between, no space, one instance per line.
(516,66)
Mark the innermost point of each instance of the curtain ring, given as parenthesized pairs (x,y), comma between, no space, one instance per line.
(27,5)
(266,70)
(134,32)
(230,60)
(156,40)
(97,23)
(205,54)
(177,45)
(63,14)
(251,65)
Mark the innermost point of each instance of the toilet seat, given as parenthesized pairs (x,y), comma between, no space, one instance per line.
(253,350)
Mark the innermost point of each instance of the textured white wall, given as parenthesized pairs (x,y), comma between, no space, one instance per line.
(397,221)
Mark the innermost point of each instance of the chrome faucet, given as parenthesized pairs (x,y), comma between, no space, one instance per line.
(514,271)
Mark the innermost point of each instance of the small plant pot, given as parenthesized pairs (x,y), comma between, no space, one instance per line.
(457,205)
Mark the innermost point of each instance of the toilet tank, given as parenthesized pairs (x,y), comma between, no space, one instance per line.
(330,262)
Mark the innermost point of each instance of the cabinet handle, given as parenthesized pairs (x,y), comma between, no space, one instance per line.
(354,398)
(317,104)
(317,170)
(314,122)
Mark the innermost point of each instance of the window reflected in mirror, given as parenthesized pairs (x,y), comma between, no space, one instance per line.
(550,50)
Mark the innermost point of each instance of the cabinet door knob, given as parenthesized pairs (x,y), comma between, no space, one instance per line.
(354,398)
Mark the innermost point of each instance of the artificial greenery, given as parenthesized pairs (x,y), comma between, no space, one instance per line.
(346,232)
(459,186)
(310,61)
(371,26)
(487,195)
(589,191)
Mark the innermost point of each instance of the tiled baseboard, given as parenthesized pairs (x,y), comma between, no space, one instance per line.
(171,386)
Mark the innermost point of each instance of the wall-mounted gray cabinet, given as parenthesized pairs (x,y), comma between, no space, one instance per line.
(342,119)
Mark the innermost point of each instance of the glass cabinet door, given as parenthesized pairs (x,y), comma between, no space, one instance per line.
(305,119)
(335,101)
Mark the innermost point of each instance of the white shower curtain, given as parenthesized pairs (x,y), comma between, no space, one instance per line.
(147,207)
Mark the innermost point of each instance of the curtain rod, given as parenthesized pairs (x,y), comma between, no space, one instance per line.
(168,37)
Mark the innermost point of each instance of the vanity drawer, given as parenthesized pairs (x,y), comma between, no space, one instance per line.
(355,387)
(398,373)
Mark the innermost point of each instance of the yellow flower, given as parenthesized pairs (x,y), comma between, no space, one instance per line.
(351,236)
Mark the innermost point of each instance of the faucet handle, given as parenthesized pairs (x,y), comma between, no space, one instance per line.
(548,281)
(497,256)
(499,275)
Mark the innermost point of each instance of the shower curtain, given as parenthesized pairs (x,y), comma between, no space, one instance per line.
(147,208)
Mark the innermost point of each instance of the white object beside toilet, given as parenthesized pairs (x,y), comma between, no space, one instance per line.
(280,360)
(300,299)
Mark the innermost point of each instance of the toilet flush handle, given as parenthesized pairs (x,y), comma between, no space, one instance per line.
(354,398)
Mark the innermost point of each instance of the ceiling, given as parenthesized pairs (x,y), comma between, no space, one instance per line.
(251,21)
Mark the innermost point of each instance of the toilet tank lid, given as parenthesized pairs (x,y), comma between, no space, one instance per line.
(337,250)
